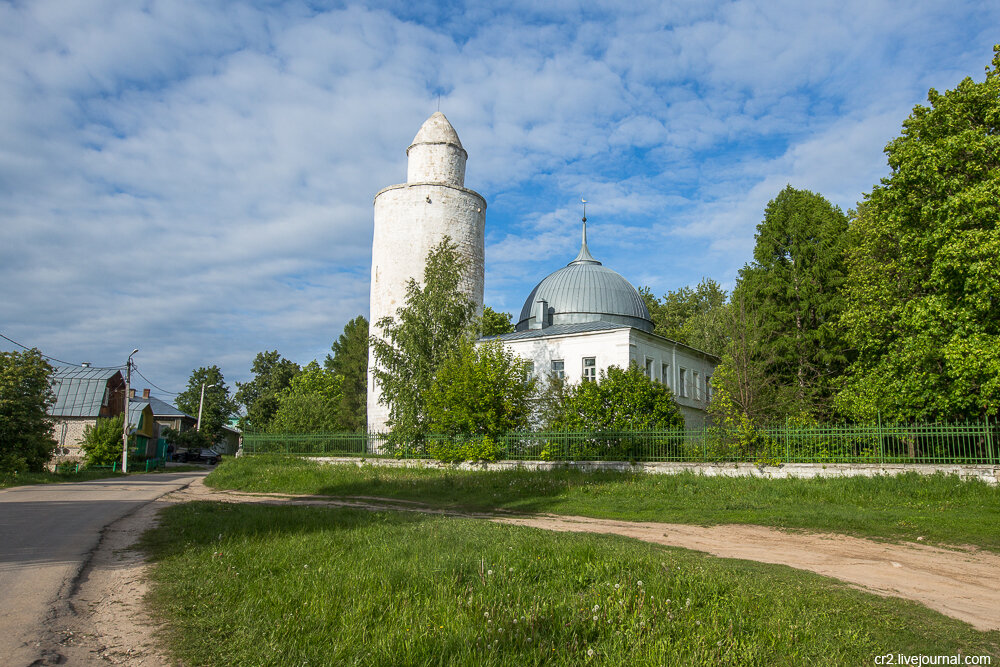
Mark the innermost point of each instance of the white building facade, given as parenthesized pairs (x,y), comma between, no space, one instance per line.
(585,317)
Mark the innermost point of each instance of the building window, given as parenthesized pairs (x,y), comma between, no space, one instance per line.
(682,382)
(590,368)
(708,387)
(665,374)
(529,369)
(697,387)
(558,368)
(649,368)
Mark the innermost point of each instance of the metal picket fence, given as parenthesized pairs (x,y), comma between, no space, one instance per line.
(962,443)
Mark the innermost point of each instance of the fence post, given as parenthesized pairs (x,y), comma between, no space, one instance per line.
(989,442)
(881,451)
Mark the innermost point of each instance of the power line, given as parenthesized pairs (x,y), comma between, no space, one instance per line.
(29,348)
(136,369)
(60,361)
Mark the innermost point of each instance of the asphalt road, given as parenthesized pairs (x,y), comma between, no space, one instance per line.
(47,533)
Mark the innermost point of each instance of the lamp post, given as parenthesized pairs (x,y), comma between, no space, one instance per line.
(128,382)
(201,404)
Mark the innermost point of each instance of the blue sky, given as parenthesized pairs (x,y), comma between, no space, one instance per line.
(195,179)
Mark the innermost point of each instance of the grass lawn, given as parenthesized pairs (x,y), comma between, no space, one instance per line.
(293,585)
(940,508)
(8,480)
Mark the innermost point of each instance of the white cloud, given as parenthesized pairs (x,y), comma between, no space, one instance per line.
(196,179)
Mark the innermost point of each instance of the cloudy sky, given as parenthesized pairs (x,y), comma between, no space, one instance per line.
(195,179)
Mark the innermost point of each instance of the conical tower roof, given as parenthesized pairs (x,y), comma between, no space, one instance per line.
(437,130)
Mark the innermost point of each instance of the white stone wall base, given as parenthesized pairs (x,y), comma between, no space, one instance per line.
(989,474)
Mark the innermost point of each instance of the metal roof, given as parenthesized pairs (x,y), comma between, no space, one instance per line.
(558,330)
(163,409)
(587,291)
(80,391)
(135,408)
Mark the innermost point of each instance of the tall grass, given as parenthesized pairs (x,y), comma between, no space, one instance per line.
(939,508)
(265,585)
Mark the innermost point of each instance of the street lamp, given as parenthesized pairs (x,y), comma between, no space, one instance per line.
(201,404)
(128,382)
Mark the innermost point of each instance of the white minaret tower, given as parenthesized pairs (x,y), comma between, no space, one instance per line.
(413,217)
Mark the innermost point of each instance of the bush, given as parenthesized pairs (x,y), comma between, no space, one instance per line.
(102,441)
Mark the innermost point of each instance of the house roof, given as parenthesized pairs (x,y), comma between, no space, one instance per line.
(135,408)
(581,328)
(80,391)
(163,409)
(559,330)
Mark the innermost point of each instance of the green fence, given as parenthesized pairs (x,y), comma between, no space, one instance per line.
(968,443)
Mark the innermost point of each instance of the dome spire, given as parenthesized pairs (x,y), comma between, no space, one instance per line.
(584,257)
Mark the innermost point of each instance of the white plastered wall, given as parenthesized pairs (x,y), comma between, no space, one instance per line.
(620,347)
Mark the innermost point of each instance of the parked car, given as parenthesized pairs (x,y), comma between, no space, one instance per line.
(209,456)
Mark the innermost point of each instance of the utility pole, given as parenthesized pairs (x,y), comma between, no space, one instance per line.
(201,404)
(128,383)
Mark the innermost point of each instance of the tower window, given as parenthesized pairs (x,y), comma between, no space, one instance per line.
(558,368)
(590,368)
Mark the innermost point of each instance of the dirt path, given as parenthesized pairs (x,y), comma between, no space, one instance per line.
(961,583)
(105,619)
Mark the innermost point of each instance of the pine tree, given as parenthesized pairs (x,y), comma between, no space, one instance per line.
(794,286)
(350,361)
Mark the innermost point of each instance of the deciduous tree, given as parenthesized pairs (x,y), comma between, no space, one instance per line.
(259,396)
(430,326)
(218,407)
(695,317)
(480,390)
(26,442)
(924,290)
(311,403)
(494,323)
(620,400)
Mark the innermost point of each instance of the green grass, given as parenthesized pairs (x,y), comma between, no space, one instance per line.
(940,508)
(293,585)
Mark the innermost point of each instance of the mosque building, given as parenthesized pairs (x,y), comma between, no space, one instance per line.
(575,323)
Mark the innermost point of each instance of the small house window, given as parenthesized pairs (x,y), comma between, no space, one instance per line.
(529,368)
(697,387)
(558,368)
(665,374)
(682,382)
(590,368)
(649,368)
(708,387)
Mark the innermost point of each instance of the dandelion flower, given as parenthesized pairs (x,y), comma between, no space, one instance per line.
(595,618)
(489,571)
(590,653)
(486,614)
(640,582)
(597,607)
(617,586)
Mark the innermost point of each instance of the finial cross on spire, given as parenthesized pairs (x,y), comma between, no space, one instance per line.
(584,257)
